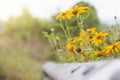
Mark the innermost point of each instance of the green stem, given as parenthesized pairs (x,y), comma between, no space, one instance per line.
(80,23)
(63,29)
(79,26)
(67,28)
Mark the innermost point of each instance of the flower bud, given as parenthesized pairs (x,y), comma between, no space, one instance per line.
(52,29)
(57,38)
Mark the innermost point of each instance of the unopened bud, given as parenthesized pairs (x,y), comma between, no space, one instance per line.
(52,29)
(57,38)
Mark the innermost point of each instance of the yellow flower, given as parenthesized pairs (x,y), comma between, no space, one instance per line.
(83,34)
(78,10)
(91,30)
(69,14)
(98,38)
(78,39)
(107,49)
(70,48)
(61,15)
(114,48)
(83,9)
(89,39)
(98,54)
(70,40)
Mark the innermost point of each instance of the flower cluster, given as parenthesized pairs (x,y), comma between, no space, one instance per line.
(76,11)
(90,44)
(87,39)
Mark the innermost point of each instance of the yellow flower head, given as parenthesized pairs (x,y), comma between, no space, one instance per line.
(114,48)
(98,54)
(89,39)
(107,49)
(70,48)
(83,33)
(78,39)
(98,38)
(91,30)
(70,40)
(78,10)
(83,9)
(69,14)
(61,15)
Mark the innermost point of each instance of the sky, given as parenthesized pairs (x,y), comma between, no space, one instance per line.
(106,9)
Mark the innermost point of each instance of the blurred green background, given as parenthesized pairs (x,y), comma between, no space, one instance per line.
(23,49)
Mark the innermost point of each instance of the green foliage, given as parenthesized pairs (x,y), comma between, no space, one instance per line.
(25,26)
(92,20)
(18,67)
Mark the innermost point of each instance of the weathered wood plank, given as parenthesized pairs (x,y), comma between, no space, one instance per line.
(102,70)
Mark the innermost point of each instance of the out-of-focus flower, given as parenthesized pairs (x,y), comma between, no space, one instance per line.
(61,15)
(70,48)
(78,10)
(98,54)
(69,14)
(114,48)
(98,38)
(91,30)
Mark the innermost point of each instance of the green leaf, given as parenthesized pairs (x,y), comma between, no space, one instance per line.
(112,26)
(76,43)
(45,34)
(51,37)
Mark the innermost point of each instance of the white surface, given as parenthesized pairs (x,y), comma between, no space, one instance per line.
(103,70)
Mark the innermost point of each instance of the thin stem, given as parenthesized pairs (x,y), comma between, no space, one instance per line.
(81,22)
(63,29)
(67,28)
(84,56)
(79,25)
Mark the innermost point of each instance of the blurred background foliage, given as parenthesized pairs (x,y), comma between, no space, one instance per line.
(23,48)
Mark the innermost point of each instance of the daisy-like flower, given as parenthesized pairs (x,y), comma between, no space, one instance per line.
(78,39)
(91,30)
(69,14)
(83,9)
(98,38)
(89,39)
(98,54)
(62,15)
(70,48)
(83,34)
(114,48)
(78,10)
